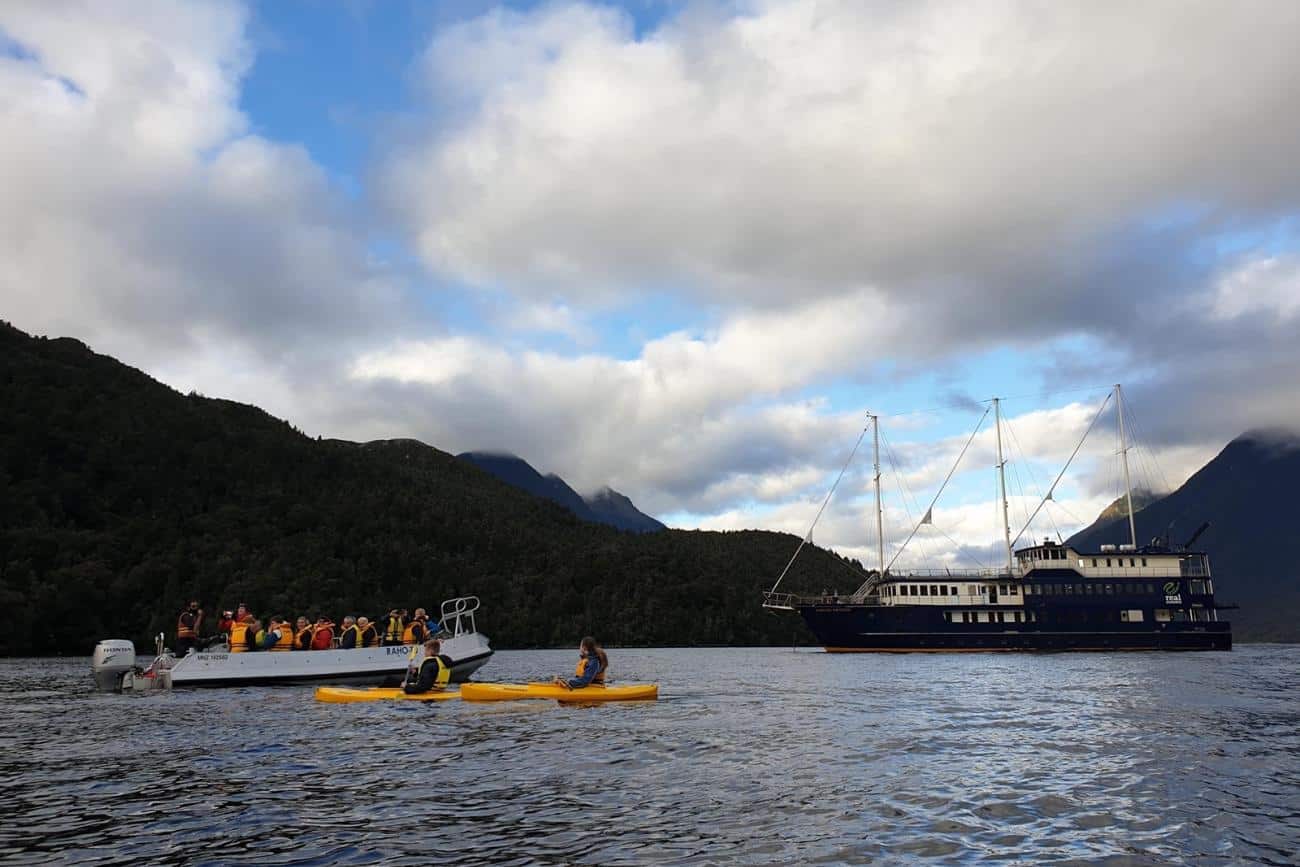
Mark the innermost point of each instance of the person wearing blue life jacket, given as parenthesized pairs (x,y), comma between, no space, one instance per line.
(592,666)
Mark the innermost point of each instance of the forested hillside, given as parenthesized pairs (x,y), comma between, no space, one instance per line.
(120,498)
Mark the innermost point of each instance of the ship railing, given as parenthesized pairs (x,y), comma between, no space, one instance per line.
(952,573)
(779,601)
(456,612)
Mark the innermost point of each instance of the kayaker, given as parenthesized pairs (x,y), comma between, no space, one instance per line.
(592,665)
(434,671)
(350,635)
(303,634)
(187,628)
(367,634)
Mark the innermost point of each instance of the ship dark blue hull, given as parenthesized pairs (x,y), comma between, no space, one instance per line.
(864,628)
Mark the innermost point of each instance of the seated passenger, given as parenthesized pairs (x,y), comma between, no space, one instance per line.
(592,665)
(279,636)
(417,630)
(239,637)
(351,635)
(433,672)
(367,634)
(256,635)
(322,637)
(392,626)
(303,633)
(243,615)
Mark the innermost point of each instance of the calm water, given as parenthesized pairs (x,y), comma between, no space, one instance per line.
(1128,759)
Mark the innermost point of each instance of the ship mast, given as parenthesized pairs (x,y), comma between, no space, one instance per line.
(880,523)
(1002,484)
(1123,451)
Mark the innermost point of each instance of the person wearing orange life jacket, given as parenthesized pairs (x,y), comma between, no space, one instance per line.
(239,636)
(303,633)
(592,666)
(243,615)
(350,636)
(417,630)
(322,635)
(280,636)
(187,628)
(391,627)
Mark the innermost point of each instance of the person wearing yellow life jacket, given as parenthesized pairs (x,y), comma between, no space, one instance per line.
(256,635)
(239,637)
(367,634)
(391,627)
(433,672)
(187,628)
(280,636)
(303,634)
(592,666)
(349,635)
(417,630)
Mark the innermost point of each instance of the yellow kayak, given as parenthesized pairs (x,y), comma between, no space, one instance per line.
(515,691)
(348,695)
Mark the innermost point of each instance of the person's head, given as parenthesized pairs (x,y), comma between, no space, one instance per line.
(432,647)
(322,621)
(350,620)
(588,647)
(420,615)
(194,605)
(255,623)
(243,609)
(303,623)
(363,622)
(228,614)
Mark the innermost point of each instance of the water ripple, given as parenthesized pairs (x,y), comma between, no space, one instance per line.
(1082,758)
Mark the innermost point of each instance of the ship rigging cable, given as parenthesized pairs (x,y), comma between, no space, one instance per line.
(829,494)
(929,513)
(1059,475)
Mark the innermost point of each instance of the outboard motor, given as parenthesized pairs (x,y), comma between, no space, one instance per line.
(113,660)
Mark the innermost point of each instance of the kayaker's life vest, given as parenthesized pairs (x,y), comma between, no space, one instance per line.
(582,663)
(408,634)
(183,629)
(444,670)
(393,631)
(302,638)
(238,637)
(286,638)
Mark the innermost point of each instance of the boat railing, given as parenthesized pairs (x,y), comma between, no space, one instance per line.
(455,613)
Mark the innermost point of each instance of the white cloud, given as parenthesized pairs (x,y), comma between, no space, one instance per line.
(141,216)
(939,150)
(1266,285)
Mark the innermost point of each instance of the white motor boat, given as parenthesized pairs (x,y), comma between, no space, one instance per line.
(115,669)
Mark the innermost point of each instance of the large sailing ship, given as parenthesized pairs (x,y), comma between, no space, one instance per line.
(1049,596)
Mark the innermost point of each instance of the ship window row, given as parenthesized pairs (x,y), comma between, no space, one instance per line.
(1181,615)
(990,616)
(1092,588)
(1200,587)
(1118,561)
(920,590)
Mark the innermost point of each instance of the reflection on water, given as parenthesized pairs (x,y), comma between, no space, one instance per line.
(752,756)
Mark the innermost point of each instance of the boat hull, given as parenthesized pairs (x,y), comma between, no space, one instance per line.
(850,628)
(369,666)
(585,695)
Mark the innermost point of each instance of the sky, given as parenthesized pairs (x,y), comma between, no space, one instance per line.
(684,249)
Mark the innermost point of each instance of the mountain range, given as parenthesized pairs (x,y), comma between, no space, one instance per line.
(606,506)
(1247,494)
(121,499)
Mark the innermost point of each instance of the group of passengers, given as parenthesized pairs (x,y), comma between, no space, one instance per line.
(245,632)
